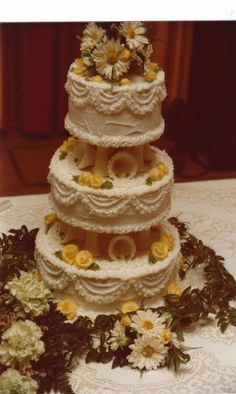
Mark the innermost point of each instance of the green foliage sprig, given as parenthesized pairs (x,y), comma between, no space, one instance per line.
(65,343)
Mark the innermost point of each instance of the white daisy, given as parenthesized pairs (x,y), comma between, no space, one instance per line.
(110,60)
(147,352)
(118,337)
(147,322)
(92,35)
(134,34)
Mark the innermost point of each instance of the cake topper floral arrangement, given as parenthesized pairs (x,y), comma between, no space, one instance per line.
(114,52)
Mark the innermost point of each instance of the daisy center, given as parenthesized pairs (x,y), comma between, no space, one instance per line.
(112,57)
(148,325)
(147,351)
(130,32)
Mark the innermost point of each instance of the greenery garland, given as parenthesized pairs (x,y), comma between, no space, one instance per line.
(65,343)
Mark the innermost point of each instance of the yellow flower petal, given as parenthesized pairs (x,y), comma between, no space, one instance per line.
(150,76)
(159,250)
(165,335)
(50,218)
(69,253)
(168,239)
(126,320)
(125,82)
(174,288)
(68,308)
(125,54)
(84,178)
(83,259)
(129,306)
(96,181)
(96,78)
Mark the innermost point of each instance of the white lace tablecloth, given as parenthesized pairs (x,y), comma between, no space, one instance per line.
(210,209)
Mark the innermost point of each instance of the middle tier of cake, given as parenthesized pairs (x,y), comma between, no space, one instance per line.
(119,204)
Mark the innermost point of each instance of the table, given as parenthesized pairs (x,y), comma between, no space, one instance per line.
(210,209)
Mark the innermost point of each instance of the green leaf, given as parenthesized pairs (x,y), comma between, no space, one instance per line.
(62,155)
(149,181)
(58,254)
(107,185)
(94,267)
(151,259)
(75,178)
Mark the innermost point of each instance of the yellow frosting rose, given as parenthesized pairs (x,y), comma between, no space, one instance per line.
(79,71)
(79,62)
(83,259)
(159,250)
(84,178)
(165,335)
(50,218)
(69,253)
(125,54)
(174,288)
(153,65)
(168,239)
(129,306)
(125,320)
(125,81)
(68,308)
(158,172)
(68,144)
(150,76)
(96,78)
(96,181)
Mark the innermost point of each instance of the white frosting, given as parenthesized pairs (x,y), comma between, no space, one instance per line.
(113,280)
(111,115)
(130,206)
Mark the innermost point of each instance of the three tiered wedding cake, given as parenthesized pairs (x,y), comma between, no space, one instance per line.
(106,238)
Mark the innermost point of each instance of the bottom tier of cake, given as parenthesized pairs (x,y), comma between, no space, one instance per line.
(138,271)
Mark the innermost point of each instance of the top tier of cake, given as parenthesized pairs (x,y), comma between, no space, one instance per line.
(106,114)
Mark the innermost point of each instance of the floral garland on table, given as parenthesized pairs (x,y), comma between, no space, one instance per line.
(38,348)
(113,51)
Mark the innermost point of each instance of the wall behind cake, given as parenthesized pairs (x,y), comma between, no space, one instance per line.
(36,57)
(199,59)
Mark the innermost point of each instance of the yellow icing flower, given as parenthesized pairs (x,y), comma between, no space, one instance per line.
(68,308)
(158,172)
(174,288)
(168,239)
(125,82)
(68,144)
(69,253)
(96,78)
(159,250)
(83,259)
(84,178)
(79,71)
(150,76)
(129,306)
(165,335)
(96,181)
(49,219)
(79,62)
(126,321)
(81,67)
(125,54)
(152,65)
